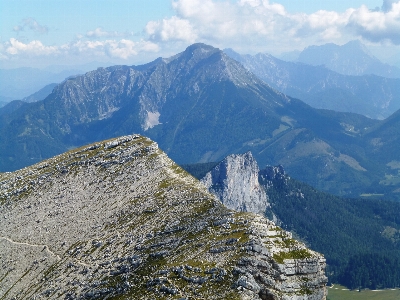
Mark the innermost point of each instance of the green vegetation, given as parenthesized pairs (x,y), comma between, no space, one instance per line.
(339,292)
(373,271)
(293,254)
(339,228)
(199,170)
(391,180)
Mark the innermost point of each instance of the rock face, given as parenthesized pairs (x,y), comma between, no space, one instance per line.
(235,182)
(120,219)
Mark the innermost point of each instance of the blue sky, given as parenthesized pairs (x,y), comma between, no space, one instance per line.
(44,32)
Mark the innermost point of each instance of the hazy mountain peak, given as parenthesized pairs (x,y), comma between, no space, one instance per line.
(352,58)
(373,96)
(356,45)
(199,51)
(232,53)
(204,48)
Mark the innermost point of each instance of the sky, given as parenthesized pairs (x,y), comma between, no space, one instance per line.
(39,33)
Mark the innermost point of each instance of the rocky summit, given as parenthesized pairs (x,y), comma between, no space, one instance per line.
(235,182)
(119,220)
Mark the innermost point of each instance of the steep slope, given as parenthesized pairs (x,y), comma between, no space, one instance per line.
(384,139)
(373,96)
(339,228)
(177,101)
(40,94)
(235,182)
(352,58)
(119,220)
(11,106)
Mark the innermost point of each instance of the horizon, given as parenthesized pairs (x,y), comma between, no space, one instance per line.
(40,34)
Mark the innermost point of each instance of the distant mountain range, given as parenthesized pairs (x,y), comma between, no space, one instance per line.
(37,96)
(19,83)
(201,105)
(40,94)
(371,95)
(352,58)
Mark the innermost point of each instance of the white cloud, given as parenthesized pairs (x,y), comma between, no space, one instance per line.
(257,22)
(33,48)
(100,33)
(121,49)
(173,29)
(32,24)
(377,26)
(246,25)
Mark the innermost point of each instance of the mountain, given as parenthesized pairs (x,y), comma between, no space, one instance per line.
(290,56)
(352,58)
(22,82)
(11,106)
(4,100)
(178,101)
(40,94)
(200,106)
(119,220)
(384,138)
(373,96)
(341,229)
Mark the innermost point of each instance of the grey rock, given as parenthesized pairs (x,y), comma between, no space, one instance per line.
(249,283)
(102,232)
(235,182)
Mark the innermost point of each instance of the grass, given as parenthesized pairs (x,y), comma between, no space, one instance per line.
(372,195)
(338,292)
(281,128)
(394,164)
(294,254)
(390,180)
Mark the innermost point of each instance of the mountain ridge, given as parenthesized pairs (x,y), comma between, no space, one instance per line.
(341,229)
(371,95)
(118,218)
(352,58)
(200,106)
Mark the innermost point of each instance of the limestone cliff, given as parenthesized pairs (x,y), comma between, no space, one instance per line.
(119,220)
(235,182)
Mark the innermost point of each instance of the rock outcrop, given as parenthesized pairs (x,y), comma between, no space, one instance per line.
(270,173)
(120,219)
(235,182)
